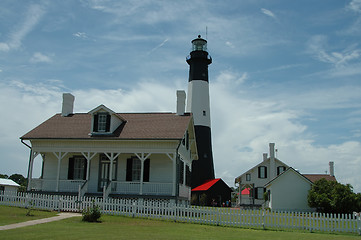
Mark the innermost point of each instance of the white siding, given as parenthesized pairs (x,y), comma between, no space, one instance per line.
(289,192)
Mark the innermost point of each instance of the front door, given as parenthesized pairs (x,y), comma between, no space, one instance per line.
(104,171)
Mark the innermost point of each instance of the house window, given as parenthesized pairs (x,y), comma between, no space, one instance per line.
(248,177)
(280,169)
(101,122)
(259,192)
(77,168)
(134,168)
(262,172)
(2,188)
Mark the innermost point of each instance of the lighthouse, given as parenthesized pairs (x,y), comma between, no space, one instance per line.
(198,105)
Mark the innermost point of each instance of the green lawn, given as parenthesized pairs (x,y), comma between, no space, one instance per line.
(9,215)
(116,227)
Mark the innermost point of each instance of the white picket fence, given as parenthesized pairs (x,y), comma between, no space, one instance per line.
(164,209)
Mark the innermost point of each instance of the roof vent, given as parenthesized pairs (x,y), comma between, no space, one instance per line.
(68,104)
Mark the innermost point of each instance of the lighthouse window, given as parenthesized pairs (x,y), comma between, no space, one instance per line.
(204,113)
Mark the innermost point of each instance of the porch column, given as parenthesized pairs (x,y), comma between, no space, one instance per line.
(173,158)
(59,156)
(88,156)
(30,167)
(142,159)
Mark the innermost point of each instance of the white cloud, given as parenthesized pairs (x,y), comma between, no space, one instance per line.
(40,58)
(228,77)
(31,19)
(317,45)
(355,5)
(268,13)
(80,35)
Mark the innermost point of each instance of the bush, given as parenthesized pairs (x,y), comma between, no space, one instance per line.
(333,197)
(92,214)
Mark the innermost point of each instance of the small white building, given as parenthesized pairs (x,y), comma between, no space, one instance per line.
(8,185)
(289,191)
(253,180)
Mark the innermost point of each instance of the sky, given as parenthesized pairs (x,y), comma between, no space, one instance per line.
(287,72)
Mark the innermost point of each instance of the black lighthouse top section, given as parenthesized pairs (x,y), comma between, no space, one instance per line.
(198,60)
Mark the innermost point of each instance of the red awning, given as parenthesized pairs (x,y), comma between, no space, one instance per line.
(245,191)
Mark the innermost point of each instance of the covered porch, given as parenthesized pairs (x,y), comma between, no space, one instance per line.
(151,173)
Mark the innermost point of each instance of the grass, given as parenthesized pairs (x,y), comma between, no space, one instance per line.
(117,227)
(9,215)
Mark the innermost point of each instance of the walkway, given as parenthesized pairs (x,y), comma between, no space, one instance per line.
(39,221)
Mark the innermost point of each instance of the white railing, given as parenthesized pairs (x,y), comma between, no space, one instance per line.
(159,209)
(126,187)
(47,185)
(157,188)
(148,188)
(83,189)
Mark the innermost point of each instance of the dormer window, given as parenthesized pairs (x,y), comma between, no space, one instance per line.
(101,122)
(104,121)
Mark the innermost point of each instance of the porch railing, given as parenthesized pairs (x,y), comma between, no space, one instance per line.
(148,188)
(116,187)
(47,185)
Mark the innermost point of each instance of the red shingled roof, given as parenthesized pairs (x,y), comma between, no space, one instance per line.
(207,185)
(135,126)
(314,177)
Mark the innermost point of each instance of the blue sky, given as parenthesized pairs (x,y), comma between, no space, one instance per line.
(283,71)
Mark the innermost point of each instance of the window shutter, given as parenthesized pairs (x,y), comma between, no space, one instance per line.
(95,125)
(129,169)
(146,170)
(107,128)
(265,172)
(85,168)
(255,193)
(259,172)
(71,169)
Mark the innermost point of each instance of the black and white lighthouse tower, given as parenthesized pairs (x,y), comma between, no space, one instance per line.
(198,105)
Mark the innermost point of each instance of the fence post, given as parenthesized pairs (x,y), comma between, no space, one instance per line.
(263,212)
(358,218)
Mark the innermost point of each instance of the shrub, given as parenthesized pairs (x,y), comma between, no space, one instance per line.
(92,214)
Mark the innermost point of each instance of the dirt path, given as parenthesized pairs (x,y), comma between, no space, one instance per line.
(39,221)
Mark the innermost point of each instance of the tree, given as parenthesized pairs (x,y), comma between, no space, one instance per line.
(19,179)
(4,176)
(333,197)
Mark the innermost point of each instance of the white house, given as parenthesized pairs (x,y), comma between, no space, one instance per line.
(289,190)
(118,154)
(8,185)
(255,178)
